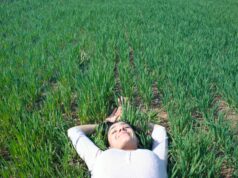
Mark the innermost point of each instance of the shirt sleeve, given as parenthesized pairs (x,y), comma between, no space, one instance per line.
(160,143)
(86,149)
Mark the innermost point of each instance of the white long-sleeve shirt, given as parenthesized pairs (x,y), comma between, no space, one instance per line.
(117,163)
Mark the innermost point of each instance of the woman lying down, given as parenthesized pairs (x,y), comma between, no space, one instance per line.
(123,158)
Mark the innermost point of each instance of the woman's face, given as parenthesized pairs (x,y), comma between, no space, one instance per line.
(122,136)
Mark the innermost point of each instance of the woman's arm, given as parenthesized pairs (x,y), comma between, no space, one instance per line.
(160,142)
(86,149)
(86,129)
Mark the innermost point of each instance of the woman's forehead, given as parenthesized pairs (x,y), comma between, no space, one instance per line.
(116,124)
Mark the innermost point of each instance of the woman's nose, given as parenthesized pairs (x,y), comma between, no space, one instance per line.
(121,128)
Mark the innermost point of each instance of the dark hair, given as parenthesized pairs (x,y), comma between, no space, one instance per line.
(103,129)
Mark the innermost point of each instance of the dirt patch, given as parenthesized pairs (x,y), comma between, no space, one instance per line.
(5,154)
(226,171)
(117,89)
(131,57)
(41,96)
(76,161)
(229,113)
(197,115)
(48,85)
(162,116)
(198,120)
(137,101)
(159,112)
(156,106)
(156,101)
(72,115)
(74,106)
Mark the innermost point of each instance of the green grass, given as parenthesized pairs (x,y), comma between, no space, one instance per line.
(57,62)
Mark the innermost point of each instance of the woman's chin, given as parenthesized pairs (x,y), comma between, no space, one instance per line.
(127,142)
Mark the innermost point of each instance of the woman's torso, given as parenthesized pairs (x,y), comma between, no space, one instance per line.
(116,163)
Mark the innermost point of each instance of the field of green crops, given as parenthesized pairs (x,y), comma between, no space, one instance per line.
(64,63)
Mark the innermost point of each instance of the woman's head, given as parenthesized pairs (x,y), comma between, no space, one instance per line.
(122,136)
(104,131)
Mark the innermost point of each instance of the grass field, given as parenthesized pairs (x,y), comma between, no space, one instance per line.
(64,63)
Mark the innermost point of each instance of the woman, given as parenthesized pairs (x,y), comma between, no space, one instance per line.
(122,159)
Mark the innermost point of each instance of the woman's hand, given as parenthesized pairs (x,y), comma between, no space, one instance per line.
(116,115)
(117,112)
